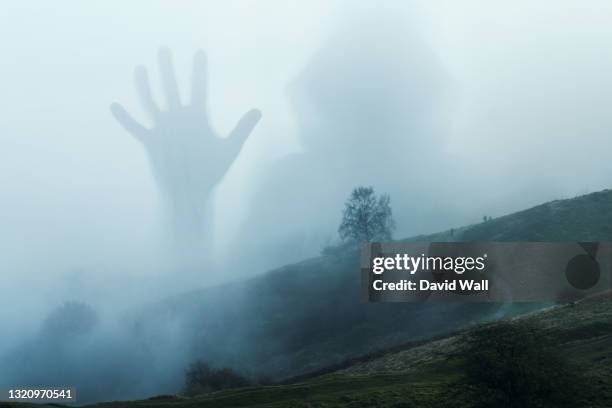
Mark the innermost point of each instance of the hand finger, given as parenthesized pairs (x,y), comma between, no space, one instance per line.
(199,86)
(243,129)
(141,79)
(168,78)
(128,123)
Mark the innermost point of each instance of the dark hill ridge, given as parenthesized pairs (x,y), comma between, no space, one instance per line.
(303,317)
(584,218)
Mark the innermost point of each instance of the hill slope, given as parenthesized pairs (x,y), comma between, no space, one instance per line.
(584,218)
(307,316)
(430,374)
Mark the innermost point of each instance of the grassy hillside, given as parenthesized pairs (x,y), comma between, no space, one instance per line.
(306,320)
(303,317)
(307,316)
(584,218)
(430,374)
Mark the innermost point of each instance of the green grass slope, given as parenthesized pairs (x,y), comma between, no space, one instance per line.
(584,218)
(431,374)
(304,317)
(307,318)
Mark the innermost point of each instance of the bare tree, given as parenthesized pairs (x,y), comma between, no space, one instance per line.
(366,217)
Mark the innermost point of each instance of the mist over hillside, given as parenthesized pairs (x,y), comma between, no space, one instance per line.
(288,322)
(171,173)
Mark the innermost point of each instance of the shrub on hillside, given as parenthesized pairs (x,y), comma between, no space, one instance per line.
(69,320)
(517,364)
(200,378)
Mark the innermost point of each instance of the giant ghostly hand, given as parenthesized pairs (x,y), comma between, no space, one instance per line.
(187,157)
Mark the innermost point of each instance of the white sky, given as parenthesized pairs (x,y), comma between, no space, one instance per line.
(530,79)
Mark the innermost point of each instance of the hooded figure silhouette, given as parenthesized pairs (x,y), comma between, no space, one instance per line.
(368,113)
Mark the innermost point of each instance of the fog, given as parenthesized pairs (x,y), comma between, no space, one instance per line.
(456,110)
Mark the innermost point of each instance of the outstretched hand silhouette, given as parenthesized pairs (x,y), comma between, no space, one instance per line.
(187,157)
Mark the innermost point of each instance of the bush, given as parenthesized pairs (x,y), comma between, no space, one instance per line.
(200,378)
(519,365)
(69,320)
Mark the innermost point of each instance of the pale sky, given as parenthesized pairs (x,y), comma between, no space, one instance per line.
(528,99)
